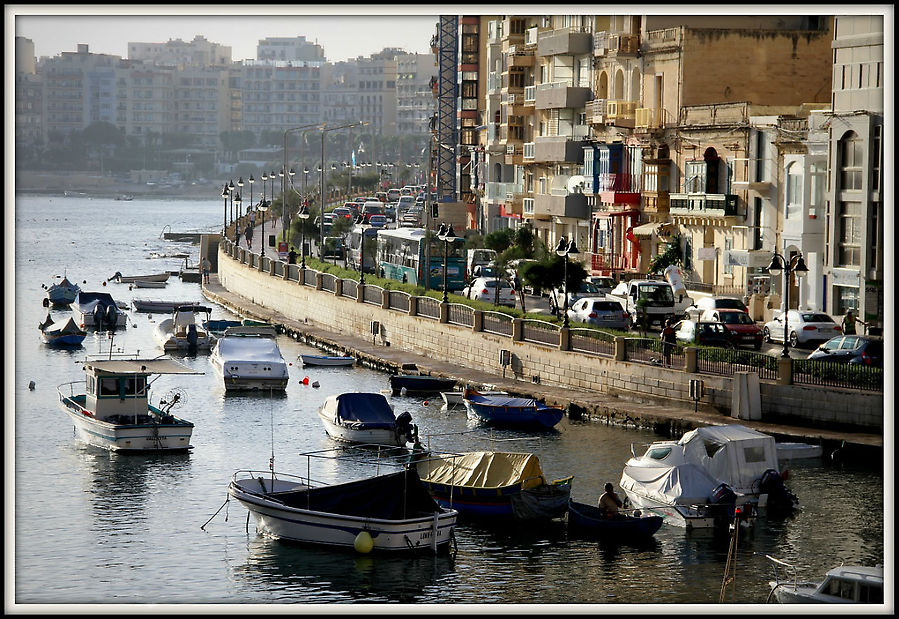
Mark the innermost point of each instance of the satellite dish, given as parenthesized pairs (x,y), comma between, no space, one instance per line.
(576,184)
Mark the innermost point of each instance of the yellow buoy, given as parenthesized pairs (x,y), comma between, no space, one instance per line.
(364,543)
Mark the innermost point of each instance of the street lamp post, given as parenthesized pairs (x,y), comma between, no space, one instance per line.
(564,250)
(303,215)
(264,178)
(251,180)
(794,265)
(237,201)
(360,221)
(446,234)
(225,214)
(263,207)
(231,196)
(239,190)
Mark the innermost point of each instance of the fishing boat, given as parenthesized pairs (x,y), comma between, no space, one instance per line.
(626,526)
(158,306)
(701,480)
(524,413)
(366,418)
(787,452)
(113,408)
(146,283)
(845,584)
(183,332)
(217,327)
(390,513)
(129,279)
(248,359)
(453,398)
(61,293)
(494,485)
(327,360)
(97,310)
(61,332)
(415,384)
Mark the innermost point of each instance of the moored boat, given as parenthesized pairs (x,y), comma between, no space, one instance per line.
(327,360)
(61,293)
(97,310)
(61,332)
(152,277)
(523,413)
(454,398)
(183,332)
(114,410)
(787,452)
(494,485)
(845,584)
(248,359)
(390,513)
(414,384)
(590,520)
(158,305)
(146,283)
(218,327)
(366,418)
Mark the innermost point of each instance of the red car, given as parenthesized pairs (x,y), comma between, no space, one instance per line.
(743,330)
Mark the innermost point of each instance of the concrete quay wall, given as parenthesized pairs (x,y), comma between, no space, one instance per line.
(536,364)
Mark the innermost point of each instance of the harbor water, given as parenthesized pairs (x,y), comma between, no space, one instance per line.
(93,527)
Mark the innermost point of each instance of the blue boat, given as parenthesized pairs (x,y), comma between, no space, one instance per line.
(63,293)
(218,327)
(61,333)
(587,519)
(494,485)
(511,412)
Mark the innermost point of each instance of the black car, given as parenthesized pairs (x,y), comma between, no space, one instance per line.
(855,349)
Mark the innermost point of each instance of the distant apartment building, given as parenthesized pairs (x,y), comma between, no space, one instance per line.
(414,98)
(289,49)
(199,53)
(28,96)
(202,106)
(377,95)
(277,94)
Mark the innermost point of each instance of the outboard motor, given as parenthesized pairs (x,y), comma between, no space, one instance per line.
(192,336)
(111,316)
(404,426)
(98,314)
(780,500)
(722,505)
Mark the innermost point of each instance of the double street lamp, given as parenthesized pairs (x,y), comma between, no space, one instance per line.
(240,189)
(563,250)
(793,265)
(446,234)
(263,207)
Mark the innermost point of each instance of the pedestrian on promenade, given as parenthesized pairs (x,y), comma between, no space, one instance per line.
(248,235)
(253,218)
(669,339)
(848,323)
(292,256)
(205,265)
(237,236)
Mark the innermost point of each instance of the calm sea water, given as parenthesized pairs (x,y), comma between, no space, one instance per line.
(98,528)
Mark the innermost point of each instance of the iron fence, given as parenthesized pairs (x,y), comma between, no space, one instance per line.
(831,374)
(329,282)
(398,300)
(309,276)
(498,323)
(349,288)
(725,362)
(540,332)
(592,342)
(279,267)
(460,315)
(429,307)
(650,351)
(373,294)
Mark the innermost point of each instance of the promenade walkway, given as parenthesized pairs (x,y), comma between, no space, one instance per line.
(671,418)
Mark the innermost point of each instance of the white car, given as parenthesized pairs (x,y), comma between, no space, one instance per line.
(484,289)
(804,327)
(557,296)
(603,311)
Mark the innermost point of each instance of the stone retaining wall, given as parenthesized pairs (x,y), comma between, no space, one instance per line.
(541,364)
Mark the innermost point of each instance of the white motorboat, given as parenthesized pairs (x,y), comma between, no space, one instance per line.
(454,398)
(366,418)
(845,584)
(703,479)
(248,358)
(97,310)
(327,360)
(787,452)
(140,283)
(114,411)
(391,512)
(184,331)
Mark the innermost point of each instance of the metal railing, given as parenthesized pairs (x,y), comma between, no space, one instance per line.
(540,332)
(398,300)
(309,277)
(372,294)
(498,323)
(329,282)
(460,314)
(725,362)
(830,374)
(649,351)
(429,307)
(592,342)
(350,288)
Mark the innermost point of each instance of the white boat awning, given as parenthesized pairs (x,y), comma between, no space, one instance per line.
(647,230)
(139,366)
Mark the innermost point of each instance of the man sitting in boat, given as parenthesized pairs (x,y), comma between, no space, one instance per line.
(609,502)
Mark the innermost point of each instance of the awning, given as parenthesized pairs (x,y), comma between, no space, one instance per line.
(646,229)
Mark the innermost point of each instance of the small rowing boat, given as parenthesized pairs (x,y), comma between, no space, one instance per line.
(326,360)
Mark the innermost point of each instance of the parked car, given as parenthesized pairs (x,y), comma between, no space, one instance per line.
(703,333)
(741,326)
(854,349)
(696,310)
(805,327)
(393,194)
(600,311)
(484,289)
(603,283)
(378,221)
(557,296)
(486,270)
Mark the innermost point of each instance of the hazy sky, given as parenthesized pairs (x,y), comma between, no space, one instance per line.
(344,31)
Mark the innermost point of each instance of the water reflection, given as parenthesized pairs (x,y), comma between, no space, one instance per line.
(288,572)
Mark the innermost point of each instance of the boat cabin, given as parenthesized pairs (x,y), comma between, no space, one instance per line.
(117,388)
(854,584)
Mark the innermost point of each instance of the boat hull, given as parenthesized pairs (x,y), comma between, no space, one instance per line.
(139,437)
(683,516)
(455,398)
(427,532)
(420,385)
(374,436)
(324,360)
(588,519)
(171,342)
(154,277)
(512,416)
(249,376)
(62,340)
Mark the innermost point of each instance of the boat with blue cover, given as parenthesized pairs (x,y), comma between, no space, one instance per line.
(369,418)
(61,332)
(98,310)
(525,413)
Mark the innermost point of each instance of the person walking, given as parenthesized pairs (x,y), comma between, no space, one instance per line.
(669,339)
(205,265)
(248,235)
(292,256)
(848,324)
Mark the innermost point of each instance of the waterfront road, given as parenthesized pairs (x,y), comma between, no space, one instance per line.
(604,408)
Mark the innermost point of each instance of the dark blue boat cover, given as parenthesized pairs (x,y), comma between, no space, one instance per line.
(104,298)
(498,400)
(372,409)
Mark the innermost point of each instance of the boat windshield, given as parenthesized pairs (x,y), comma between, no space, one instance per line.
(658,453)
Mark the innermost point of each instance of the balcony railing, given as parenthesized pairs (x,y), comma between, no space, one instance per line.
(596,111)
(702,204)
(618,109)
(502,191)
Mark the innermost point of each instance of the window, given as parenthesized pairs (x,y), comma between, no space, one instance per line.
(877,158)
(852,157)
(728,245)
(696,174)
(794,191)
(754,454)
(850,233)
(109,386)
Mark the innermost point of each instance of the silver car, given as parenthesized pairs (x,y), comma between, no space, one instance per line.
(804,327)
(600,311)
(485,289)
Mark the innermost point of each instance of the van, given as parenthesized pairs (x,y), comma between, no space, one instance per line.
(658,297)
(477,257)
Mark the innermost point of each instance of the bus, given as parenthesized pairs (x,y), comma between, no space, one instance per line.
(354,247)
(401,256)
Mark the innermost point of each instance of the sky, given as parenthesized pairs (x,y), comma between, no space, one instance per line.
(344,31)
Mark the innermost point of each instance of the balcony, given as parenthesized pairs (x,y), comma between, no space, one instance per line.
(716,205)
(648,118)
(514,154)
(620,112)
(518,58)
(556,95)
(558,149)
(530,36)
(623,45)
(560,203)
(565,41)
(501,192)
